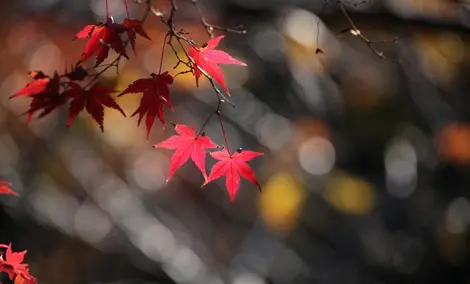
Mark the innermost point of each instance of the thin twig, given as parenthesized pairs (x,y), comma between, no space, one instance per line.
(224,134)
(325,3)
(210,28)
(356,32)
(183,72)
(127,8)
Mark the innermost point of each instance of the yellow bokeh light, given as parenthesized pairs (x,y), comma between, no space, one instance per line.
(350,195)
(304,57)
(281,202)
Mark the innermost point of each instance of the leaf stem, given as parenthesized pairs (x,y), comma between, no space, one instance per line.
(224,134)
(163,52)
(205,123)
(127,9)
(107,10)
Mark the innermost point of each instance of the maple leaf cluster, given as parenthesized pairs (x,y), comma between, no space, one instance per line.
(48,93)
(12,264)
(105,36)
(72,89)
(189,145)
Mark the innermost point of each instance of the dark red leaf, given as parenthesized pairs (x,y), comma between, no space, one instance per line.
(94,100)
(134,27)
(45,94)
(232,166)
(187,144)
(155,95)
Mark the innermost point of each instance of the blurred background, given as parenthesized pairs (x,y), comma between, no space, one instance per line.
(365,175)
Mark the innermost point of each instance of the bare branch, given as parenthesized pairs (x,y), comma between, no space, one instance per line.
(353,29)
(356,32)
(210,28)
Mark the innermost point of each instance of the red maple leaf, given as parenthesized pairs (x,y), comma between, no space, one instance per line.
(5,188)
(207,58)
(134,27)
(93,100)
(11,263)
(38,85)
(232,166)
(155,95)
(187,144)
(102,37)
(47,101)
(45,92)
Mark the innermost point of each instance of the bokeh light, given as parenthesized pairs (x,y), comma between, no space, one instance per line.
(281,202)
(350,194)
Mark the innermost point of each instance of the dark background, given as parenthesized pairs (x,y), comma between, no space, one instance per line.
(366,169)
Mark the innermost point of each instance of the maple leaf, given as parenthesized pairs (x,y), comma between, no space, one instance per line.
(12,263)
(187,144)
(5,188)
(93,100)
(134,27)
(38,85)
(155,94)
(232,166)
(207,58)
(48,102)
(45,93)
(102,37)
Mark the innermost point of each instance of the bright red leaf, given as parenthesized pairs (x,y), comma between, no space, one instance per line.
(102,37)
(94,100)
(155,94)
(38,85)
(35,87)
(11,263)
(5,188)
(134,27)
(232,166)
(207,58)
(187,144)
